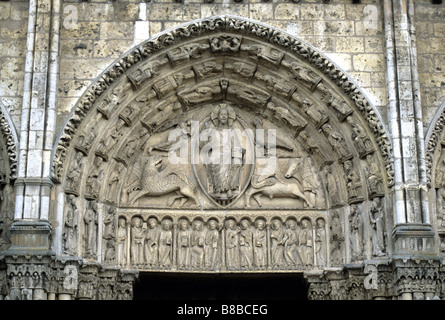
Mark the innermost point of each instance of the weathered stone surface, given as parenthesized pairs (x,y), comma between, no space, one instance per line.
(99,115)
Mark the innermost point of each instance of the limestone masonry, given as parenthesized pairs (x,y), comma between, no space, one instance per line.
(222,137)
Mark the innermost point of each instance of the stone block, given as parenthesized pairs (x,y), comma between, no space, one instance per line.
(76,69)
(362,78)
(110,48)
(334,12)
(334,28)
(260,11)
(369,62)
(425,62)
(439,63)
(287,11)
(8,87)
(374,44)
(13,29)
(5,10)
(81,30)
(239,9)
(191,12)
(155,27)
(439,29)
(96,12)
(300,28)
(76,48)
(343,60)
(20,10)
(349,44)
(161,11)
(324,44)
(311,11)
(12,68)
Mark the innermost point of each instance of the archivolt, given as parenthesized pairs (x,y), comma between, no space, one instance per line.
(137,70)
(10,142)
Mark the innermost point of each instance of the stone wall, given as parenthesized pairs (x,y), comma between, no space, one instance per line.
(96,33)
(430,31)
(13,28)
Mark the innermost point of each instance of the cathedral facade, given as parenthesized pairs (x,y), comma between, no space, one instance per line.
(209,138)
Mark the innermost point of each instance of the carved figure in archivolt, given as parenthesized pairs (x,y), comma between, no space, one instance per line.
(159,114)
(373,175)
(94,179)
(320,242)
(207,69)
(337,141)
(291,242)
(303,74)
(109,140)
(87,136)
(245,243)
(353,181)
(147,179)
(359,137)
(207,92)
(277,237)
(183,258)
(137,241)
(232,249)
(121,242)
(184,53)
(74,172)
(302,169)
(197,242)
(287,116)
(211,244)
(341,109)
(90,220)
(165,244)
(314,112)
(242,69)
(260,244)
(274,187)
(151,246)
(70,225)
(312,146)
(269,54)
(331,185)
(376,219)
(356,233)
(278,85)
(113,182)
(305,242)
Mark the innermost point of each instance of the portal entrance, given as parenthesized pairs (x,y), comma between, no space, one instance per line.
(190,286)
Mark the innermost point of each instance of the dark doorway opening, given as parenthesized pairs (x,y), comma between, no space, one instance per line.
(189,286)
